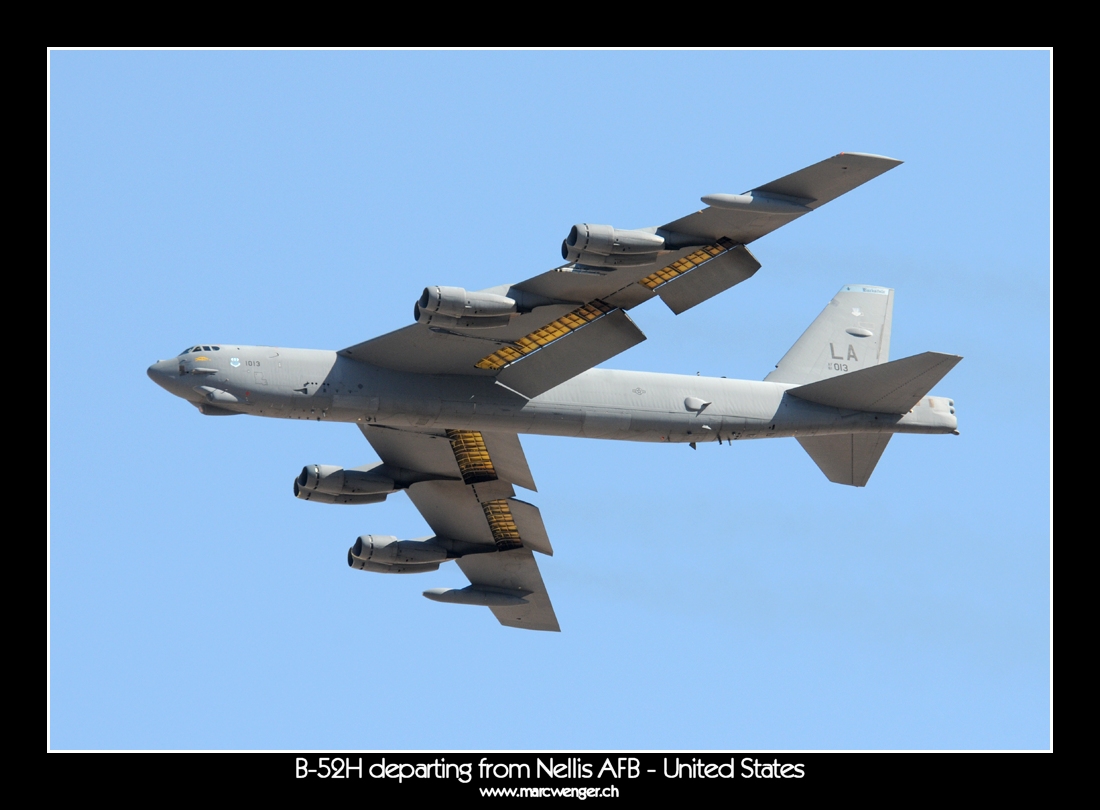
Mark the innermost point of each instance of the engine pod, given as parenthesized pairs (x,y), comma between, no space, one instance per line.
(446,305)
(388,550)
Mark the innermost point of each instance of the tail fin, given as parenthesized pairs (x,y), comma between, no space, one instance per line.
(894,387)
(851,333)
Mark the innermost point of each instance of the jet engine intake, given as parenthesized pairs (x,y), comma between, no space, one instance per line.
(602,245)
(367,480)
(372,550)
(453,306)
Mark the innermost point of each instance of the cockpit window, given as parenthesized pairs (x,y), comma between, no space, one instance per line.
(193,349)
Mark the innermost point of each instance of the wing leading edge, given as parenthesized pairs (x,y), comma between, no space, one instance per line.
(474,502)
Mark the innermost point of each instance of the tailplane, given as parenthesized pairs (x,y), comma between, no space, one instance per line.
(894,388)
(887,388)
(843,361)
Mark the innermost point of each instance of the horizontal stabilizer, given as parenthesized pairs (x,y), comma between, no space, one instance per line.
(848,458)
(893,387)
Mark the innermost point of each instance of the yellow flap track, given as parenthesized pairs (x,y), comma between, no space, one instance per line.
(502,524)
(689,262)
(472,456)
(547,334)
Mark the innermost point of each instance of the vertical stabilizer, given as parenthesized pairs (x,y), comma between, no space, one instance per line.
(852,333)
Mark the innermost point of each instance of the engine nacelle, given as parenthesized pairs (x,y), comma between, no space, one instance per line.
(453,306)
(372,551)
(325,497)
(369,480)
(603,245)
(378,568)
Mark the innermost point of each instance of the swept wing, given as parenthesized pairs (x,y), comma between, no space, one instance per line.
(574,317)
(472,501)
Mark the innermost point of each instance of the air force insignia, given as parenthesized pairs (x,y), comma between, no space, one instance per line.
(234,361)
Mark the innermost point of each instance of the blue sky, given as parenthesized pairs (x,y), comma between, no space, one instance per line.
(726,598)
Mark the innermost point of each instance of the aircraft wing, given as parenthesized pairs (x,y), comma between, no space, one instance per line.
(572,318)
(472,500)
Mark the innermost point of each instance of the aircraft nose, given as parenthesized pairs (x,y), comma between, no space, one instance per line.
(159,372)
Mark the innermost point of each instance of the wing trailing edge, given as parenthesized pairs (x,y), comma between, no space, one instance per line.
(471,501)
(574,352)
(516,573)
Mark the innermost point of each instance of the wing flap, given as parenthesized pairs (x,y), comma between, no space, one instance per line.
(435,453)
(708,280)
(472,502)
(454,510)
(509,459)
(529,524)
(571,354)
(438,350)
(582,283)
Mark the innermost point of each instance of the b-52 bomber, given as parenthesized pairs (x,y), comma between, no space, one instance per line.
(442,401)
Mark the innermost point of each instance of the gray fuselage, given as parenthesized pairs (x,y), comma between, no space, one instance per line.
(599,404)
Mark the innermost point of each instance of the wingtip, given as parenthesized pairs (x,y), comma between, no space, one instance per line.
(892,161)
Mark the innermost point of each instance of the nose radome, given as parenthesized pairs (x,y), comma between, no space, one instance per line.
(158,372)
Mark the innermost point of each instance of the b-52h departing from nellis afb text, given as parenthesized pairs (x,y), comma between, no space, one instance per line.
(441,401)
